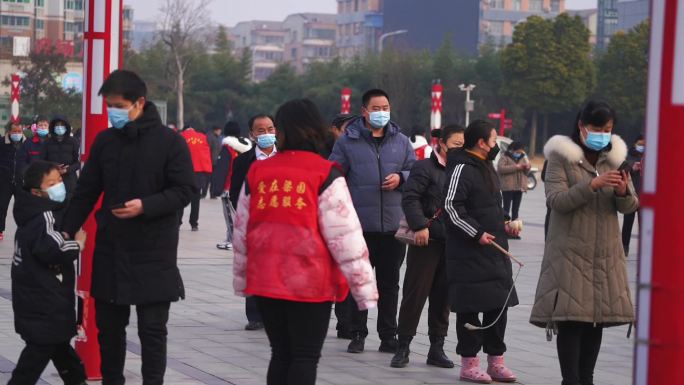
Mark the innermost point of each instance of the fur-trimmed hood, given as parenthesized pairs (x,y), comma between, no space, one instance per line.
(418,141)
(241,145)
(564,147)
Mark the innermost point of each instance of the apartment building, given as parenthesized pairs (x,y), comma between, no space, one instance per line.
(310,39)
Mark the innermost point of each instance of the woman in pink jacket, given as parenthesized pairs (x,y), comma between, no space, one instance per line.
(299,245)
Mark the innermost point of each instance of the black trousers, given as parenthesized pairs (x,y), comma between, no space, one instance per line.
(578,346)
(425,277)
(296,332)
(112,321)
(195,202)
(6,192)
(252,310)
(627,226)
(511,202)
(204,181)
(386,255)
(342,313)
(34,358)
(491,340)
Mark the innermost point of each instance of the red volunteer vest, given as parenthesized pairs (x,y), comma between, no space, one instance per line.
(229,176)
(287,257)
(199,150)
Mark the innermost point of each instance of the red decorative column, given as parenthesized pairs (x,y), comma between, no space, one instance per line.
(15,96)
(660,306)
(436,108)
(346,100)
(102,54)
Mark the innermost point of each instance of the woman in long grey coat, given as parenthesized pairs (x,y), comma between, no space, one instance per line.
(583,284)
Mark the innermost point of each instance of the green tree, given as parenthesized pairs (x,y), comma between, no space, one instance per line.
(623,76)
(547,68)
(41,92)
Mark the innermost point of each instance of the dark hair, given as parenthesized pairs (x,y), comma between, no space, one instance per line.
(125,83)
(40,118)
(301,126)
(258,116)
(515,146)
(232,128)
(370,94)
(449,130)
(595,112)
(35,172)
(638,138)
(187,127)
(340,119)
(477,129)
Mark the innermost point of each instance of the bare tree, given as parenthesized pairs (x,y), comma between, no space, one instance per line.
(182,28)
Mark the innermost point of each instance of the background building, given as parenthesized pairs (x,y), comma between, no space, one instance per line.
(619,15)
(359,26)
(499,17)
(266,43)
(590,19)
(631,13)
(310,39)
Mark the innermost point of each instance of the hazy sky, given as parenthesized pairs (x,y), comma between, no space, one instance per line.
(230,12)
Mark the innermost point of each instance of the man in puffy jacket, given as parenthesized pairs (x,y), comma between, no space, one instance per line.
(10,174)
(64,150)
(377,158)
(30,150)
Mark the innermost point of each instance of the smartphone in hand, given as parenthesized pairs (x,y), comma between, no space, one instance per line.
(117,206)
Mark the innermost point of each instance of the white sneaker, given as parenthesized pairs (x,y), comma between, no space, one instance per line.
(225,245)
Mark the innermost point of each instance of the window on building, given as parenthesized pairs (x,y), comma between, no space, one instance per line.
(555,5)
(17,1)
(293,53)
(517,6)
(40,3)
(496,4)
(496,28)
(74,4)
(15,21)
(128,14)
(536,5)
(40,24)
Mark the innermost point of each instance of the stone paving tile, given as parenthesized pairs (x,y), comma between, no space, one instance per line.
(207,343)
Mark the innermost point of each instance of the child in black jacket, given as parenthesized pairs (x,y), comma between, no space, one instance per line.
(43,279)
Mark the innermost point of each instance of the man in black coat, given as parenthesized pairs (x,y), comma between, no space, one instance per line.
(64,150)
(262,131)
(145,172)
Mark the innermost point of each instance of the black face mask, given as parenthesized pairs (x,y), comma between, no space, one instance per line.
(493,152)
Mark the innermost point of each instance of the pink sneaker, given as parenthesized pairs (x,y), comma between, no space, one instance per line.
(498,370)
(471,372)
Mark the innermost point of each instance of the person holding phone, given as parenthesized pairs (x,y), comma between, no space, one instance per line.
(583,285)
(634,160)
(376,159)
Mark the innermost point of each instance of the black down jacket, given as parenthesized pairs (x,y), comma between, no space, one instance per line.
(422,197)
(479,276)
(63,150)
(43,277)
(135,259)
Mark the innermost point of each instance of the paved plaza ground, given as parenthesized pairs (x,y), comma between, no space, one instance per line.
(207,343)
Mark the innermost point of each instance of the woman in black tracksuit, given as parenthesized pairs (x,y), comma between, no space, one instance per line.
(425,266)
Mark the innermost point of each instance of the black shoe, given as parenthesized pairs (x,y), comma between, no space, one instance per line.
(436,356)
(254,325)
(195,228)
(401,357)
(357,343)
(344,335)
(388,345)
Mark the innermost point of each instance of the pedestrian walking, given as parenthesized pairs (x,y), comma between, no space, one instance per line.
(425,275)
(10,173)
(32,148)
(479,276)
(200,152)
(43,279)
(215,140)
(232,146)
(376,159)
(635,157)
(263,132)
(299,245)
(144,173)
(512,168)
(583,285)
(63,150)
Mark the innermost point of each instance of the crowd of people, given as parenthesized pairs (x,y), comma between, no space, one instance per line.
(318,215)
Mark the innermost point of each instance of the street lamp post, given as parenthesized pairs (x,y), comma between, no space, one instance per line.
(469,104)
(388,34)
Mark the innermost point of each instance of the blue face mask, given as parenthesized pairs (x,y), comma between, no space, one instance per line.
(378,119)
(42,132)
(60,130)
(640,149)
(517,156)
(57,193)
(597,141)
(266,140)
(118,116)
(16,137)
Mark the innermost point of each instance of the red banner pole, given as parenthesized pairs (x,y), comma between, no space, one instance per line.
(660,314)
(15,96)
(346,100)
(437,93)
(102,53)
